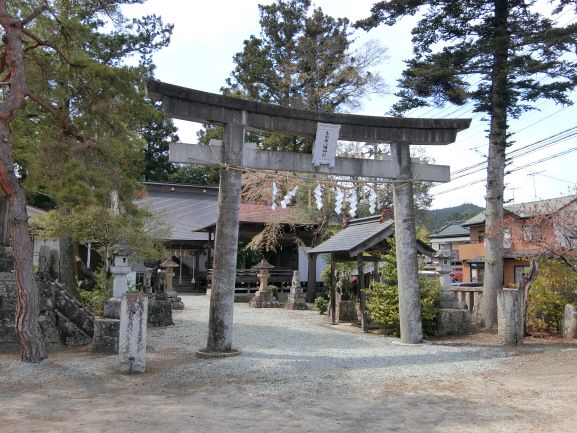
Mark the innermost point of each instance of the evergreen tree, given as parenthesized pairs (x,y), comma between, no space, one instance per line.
(304,59)
(501,54)
(70,117)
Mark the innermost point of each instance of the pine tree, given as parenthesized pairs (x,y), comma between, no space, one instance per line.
(69,118)
(303,58)
(503,55)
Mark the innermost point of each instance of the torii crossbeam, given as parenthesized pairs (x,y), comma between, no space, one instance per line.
(238,116)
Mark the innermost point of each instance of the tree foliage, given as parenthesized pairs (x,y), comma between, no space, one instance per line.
(503,55)
(86,103)
(303,58)
(70,110)
(383,297)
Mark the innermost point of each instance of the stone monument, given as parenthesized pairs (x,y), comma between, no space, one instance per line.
(454,317)
(296,298)
(569,324)
(132,334)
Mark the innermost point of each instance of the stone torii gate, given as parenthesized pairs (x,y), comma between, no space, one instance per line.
(238,115)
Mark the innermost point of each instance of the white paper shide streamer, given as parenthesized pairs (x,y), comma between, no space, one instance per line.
(339,196)
(274,193)
(372,201)
(353,203)
(288,197)
(319,196)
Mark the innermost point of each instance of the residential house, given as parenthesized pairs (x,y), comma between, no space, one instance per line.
(526,228)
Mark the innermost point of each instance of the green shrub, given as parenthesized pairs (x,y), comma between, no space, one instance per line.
(544,312)
(383,307)
(273,289)
(552,290)
(93,301)
(322,304)
(383,298)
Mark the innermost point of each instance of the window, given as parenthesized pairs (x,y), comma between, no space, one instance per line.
(477,272)
(507,238)
(481,236)
(531,233)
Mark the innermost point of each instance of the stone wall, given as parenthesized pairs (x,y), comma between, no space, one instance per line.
(57,329)
(8,339)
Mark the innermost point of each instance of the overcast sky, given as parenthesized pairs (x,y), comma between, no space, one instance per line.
(207,34)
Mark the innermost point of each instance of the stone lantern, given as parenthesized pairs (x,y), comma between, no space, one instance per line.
(263,298)
(454,318)
(120,269)
(263,274)
(444,255)
(169,265)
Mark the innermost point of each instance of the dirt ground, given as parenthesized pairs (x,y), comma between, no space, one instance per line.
(533,390)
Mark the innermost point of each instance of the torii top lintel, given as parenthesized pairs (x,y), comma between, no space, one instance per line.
(197,106)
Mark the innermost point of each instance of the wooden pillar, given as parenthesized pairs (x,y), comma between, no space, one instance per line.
(312,278)
(226,242)
(406,247)
(362,295)
(333,292)
(376,275)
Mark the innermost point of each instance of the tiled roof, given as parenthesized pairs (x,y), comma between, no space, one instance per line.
(190,209)
(366,230)
(529,209)
(184,210)
(451,230)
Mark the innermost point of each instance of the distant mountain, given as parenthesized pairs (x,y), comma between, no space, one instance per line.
(436,218)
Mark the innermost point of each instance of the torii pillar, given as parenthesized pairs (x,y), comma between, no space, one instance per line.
(237,115)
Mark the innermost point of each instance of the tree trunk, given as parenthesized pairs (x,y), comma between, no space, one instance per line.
(67,269)
(27,326)
(493,279)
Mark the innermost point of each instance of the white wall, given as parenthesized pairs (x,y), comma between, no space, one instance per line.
(304,264)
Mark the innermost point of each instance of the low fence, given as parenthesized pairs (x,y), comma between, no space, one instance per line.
(247,282)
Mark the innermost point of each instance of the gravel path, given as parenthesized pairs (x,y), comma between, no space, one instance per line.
(295,373)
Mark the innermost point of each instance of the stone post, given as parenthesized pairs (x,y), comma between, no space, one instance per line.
(132,338)
(569,328)
(406,247)
(510,316)
(226,241)
(296,298)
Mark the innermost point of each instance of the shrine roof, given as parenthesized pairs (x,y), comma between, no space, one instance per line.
(362,235)
(184,208)
(190,210)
